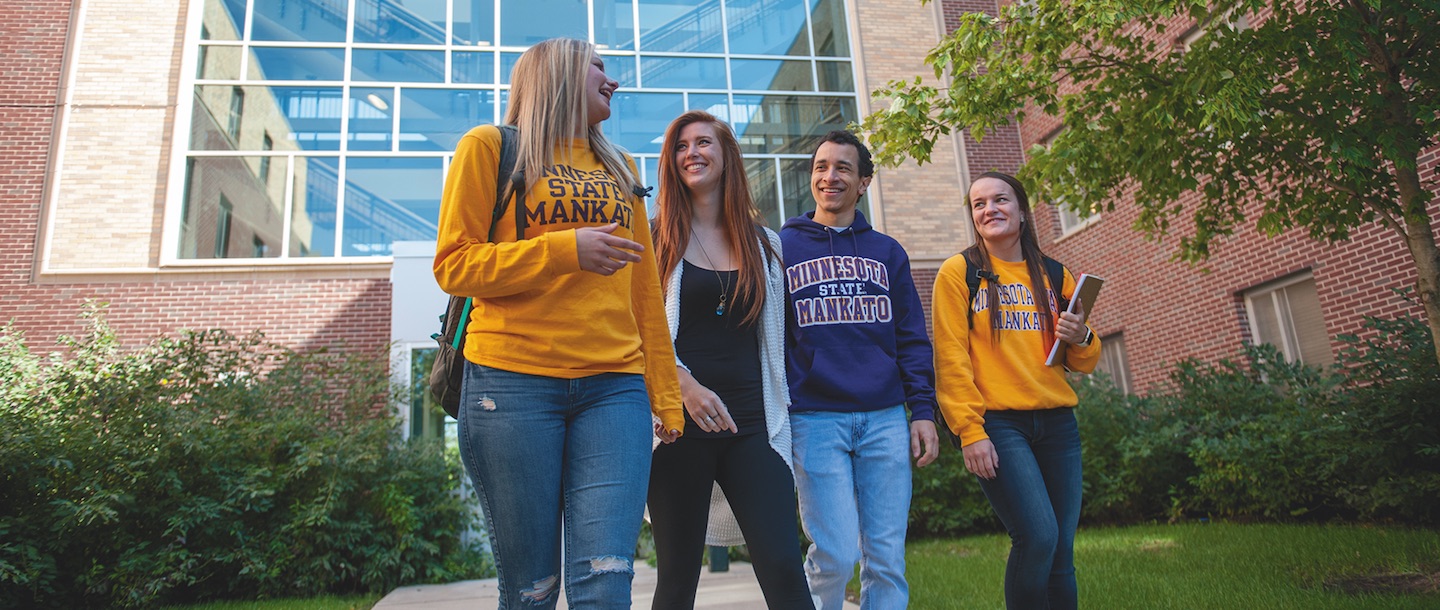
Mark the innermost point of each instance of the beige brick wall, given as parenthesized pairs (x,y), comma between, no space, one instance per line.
(922,207)
(110,188)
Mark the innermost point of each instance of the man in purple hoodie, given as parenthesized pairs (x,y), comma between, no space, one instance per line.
(857,358)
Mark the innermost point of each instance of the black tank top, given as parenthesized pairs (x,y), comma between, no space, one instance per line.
(721,354)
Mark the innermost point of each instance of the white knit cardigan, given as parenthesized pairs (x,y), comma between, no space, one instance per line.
(722,529)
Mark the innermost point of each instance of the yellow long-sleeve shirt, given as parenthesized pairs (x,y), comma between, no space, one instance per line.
(535,311)
(974,374)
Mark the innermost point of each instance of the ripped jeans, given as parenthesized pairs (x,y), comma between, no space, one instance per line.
(540,449)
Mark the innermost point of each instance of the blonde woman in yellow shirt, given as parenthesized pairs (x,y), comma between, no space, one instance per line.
(567,352)
(1014,415)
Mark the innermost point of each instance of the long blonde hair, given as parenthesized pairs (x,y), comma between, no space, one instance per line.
(549,104)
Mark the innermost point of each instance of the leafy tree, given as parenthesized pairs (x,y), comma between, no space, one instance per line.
(1285,113)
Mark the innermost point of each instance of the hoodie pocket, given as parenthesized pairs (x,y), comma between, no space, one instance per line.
(864,375)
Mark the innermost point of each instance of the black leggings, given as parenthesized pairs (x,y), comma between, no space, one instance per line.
(761,492)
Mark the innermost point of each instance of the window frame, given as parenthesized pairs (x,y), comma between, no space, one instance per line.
(1290,346)
(197,46)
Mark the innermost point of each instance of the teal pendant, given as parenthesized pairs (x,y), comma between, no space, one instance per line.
(720,309)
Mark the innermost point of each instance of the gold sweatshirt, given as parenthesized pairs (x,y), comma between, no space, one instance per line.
(974,374)
(535,311)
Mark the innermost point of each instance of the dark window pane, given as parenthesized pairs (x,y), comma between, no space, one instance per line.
(435,119)
(472,68)
(835,75)
(681,26)
(312,216)
(683,72)
(767,27)
(389,200)
(297,64)
(615,24)
(398,66)
(795,186)
(526,22)
(761,173)
(832,38)
(771,74)
(474,22)
(307,20)
(788,123)
(228,209)
(400,21)
(638,120)
(372,114)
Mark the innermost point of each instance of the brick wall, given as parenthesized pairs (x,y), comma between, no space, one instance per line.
(302,309)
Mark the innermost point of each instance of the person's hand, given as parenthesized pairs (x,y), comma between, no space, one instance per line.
(704,406)
(924,442)
(981,459)
(603,253)
(1071,326)
(666,436)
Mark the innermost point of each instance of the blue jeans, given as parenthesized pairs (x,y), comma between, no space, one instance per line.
(540,449)
(1036,494)
(853,474)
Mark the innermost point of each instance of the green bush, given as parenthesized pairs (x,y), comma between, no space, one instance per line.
(1256,438)
(209,466)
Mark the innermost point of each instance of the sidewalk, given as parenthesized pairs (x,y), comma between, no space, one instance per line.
(732,590)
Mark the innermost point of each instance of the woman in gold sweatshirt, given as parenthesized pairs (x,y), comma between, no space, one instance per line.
(567,351)
(1014,415)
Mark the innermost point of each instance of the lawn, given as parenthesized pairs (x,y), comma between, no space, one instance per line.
(1200,566)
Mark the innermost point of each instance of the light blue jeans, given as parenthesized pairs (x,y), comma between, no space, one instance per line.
(540,449)
(853,474)
(1036,494)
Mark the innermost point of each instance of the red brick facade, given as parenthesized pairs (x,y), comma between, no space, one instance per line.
(310,311)
(1169,311)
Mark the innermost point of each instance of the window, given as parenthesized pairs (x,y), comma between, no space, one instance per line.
(1114,361)
(360,103)
(222,228)
(1229,20)
(1287,314)
(266,145)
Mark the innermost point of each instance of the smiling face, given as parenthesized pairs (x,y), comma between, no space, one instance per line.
(836,184)
(599,88)
(698,157)
(996,212)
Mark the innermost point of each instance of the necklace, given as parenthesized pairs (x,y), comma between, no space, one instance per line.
(724,288)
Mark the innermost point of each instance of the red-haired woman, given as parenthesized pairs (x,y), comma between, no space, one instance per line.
(724,298)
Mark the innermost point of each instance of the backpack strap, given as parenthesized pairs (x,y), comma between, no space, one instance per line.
(972,280)
(505,176)
(1054,272)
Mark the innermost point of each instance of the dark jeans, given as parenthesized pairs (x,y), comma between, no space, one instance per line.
(761,493)
(1036,494)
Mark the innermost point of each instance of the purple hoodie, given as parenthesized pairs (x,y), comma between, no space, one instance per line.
(855,335)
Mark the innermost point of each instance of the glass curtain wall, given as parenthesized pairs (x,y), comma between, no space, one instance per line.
(323,128)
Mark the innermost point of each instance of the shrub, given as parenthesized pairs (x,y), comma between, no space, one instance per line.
(1253,438)
(210,466)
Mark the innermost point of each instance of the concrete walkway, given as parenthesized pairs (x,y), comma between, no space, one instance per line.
(732,590)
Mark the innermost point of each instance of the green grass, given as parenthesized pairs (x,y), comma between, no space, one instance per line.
(1194,567)
(354,602)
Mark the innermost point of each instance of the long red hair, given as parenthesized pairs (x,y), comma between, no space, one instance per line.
(738,214)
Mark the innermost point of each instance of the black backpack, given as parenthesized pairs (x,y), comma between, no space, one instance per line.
(448,372)
(1054,271)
